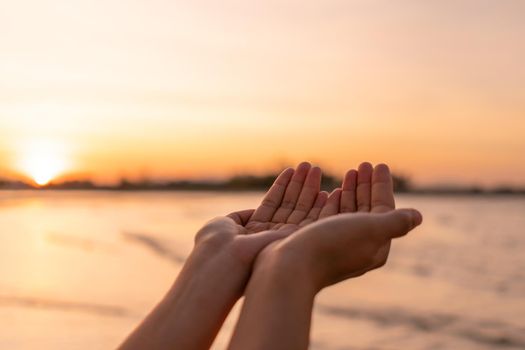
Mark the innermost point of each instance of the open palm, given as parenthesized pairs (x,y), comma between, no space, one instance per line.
(366,190)
(295,201)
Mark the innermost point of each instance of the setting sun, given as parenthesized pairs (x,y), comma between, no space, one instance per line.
(42,161)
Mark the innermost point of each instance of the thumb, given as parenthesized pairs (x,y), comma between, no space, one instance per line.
(399,222)
(255,242)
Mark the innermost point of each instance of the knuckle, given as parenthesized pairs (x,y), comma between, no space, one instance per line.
(301,207)
(288,204)
(268,202)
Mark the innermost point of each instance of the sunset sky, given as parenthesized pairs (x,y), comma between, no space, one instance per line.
(105,89)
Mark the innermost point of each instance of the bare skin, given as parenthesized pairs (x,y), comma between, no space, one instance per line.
(289,273)
(294,230)
(216,273)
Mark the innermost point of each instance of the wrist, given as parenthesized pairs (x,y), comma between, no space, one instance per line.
(216,268)
(278,304)
(204,292)
(286,268)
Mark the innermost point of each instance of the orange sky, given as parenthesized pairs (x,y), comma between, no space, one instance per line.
(205,89)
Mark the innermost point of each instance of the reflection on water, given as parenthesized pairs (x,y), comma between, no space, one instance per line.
(78,270)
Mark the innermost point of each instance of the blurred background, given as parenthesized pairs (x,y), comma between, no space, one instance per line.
(126,125)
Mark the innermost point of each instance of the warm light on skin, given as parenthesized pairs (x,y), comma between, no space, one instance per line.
(42,161)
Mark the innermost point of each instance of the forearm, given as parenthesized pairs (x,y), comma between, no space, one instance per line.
(192,312)
(277,310)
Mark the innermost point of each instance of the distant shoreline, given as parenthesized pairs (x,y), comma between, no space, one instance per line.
(245,183)
(417,192)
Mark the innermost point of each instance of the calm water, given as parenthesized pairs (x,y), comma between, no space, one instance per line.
(79,270)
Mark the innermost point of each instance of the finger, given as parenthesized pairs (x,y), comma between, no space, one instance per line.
(292,193)
(273,198)
(364,178)
(241,217)
(332,204)
(311,188)
(382,190)
(313,215)
(398,223)
(348,195)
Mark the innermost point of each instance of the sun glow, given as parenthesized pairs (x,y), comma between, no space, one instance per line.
(43,161)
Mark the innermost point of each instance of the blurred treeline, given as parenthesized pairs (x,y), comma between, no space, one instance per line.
(245,182)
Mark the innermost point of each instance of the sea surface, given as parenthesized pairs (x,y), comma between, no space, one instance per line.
(78,270)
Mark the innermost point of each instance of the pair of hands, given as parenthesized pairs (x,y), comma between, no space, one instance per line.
(333,236)
(298,241)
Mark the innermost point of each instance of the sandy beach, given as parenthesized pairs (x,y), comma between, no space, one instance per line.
(79,269)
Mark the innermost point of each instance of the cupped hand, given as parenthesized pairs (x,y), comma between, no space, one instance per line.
(353,231)
(367,190)
(293,201)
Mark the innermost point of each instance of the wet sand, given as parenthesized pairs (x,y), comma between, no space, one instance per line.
(78,270)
